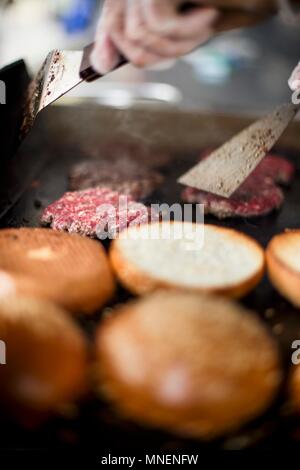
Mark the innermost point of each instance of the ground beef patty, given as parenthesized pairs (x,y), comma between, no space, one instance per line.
(259,194)
(125,176)
(95,213)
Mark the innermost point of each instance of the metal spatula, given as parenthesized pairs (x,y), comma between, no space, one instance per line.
(60,73)
(63,70)
(227,168)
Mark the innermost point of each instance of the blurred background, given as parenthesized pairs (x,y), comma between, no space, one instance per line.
(241,71)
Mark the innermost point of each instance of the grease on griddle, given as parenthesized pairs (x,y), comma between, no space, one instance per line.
(32,100)
(34,92)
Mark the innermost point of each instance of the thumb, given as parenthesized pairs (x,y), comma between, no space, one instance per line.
(105,55)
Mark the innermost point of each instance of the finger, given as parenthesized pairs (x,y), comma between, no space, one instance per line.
(136,31)
(114,16)
(110,9)
(136,54)
(170,48)
(135,22)
(294,81)
(162,17)
(105,55)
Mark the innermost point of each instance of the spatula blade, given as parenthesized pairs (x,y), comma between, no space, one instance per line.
(227,168)
(61,75)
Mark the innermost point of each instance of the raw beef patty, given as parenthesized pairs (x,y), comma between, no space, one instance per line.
(95,212)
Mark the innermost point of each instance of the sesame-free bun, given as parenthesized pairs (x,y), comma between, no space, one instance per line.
(46,356)
(294,388)
(70,270)
(205,258)
(194,365)
(283,262)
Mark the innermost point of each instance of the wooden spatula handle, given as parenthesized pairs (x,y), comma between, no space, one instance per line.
(87,72)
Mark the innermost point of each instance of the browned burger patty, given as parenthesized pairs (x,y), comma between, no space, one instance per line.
(257,196)
(126,176)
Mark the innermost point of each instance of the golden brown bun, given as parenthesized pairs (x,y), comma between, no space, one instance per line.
(283,262)
(294,388)
(198,366)
(68,269)
(46,356)
(140,270)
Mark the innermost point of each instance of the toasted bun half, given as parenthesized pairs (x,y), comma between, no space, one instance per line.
(283,262)
(70,270)
(45,356)
(195,365)
(294,388)
(201,258)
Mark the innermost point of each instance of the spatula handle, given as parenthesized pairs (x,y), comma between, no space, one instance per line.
(87,72)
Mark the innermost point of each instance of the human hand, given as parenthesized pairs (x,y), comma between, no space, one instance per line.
(294,81)
(147,32)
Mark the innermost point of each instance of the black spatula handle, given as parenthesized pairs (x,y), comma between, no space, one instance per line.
(87,72)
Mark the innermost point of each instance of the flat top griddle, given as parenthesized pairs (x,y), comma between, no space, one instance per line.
(63,136)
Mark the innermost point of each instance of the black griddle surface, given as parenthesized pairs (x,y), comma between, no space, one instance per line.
(94,425)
